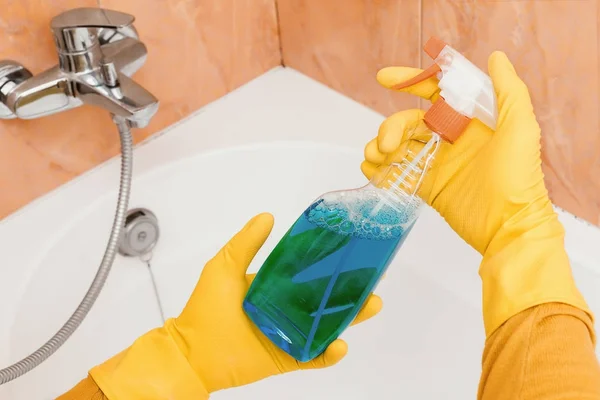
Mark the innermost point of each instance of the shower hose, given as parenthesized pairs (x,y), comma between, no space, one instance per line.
(37,357)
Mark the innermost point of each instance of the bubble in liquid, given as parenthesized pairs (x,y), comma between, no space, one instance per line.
(347,227)
(403,217)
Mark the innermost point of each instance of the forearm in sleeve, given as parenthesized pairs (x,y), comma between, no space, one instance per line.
(545,352)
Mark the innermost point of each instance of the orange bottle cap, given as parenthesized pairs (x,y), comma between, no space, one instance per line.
(446,121)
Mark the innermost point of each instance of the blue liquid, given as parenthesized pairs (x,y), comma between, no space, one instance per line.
(317,278)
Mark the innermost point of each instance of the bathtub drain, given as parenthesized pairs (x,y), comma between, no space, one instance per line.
(140,233)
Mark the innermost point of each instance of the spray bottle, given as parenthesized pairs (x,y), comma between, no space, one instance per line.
(315,281)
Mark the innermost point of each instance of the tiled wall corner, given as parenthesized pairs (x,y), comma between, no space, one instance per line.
(198,50)
(554,48)
(343,43)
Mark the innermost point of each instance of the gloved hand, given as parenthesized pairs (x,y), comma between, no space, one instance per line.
(490,188)
(212,345)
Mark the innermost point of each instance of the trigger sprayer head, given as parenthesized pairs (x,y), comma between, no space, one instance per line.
(465,92)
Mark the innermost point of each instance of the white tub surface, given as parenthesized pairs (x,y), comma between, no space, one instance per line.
(273,145)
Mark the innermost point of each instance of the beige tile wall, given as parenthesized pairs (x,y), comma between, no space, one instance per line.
(553,44)
(201,49)
(198,50)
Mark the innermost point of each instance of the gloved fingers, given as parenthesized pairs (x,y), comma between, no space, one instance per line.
(396,129)
(331,356)
(237,254)
(372,307)
(391,76)
(369,169)
(250,278)
(374,172)
(393,140)
(516,119)
(373,154)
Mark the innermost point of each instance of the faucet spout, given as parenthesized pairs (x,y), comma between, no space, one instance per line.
(45,94)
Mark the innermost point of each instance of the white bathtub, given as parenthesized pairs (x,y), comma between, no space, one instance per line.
(272,145)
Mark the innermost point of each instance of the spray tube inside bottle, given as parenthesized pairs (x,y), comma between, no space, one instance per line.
(318,277)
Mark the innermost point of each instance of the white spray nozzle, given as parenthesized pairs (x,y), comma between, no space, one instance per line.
(463,86)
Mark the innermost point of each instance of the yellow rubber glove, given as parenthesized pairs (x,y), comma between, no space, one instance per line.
(212,345)
(490,188)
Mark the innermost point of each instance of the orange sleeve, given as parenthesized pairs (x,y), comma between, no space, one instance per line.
(84,390)
(545,352)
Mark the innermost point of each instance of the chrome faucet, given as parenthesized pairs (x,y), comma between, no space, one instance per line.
(98,52)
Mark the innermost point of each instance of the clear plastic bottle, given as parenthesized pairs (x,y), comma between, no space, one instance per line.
(315,281)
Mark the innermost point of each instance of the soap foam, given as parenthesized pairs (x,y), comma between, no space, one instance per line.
(365,214)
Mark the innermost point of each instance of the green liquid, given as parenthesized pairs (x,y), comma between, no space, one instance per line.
(317,278)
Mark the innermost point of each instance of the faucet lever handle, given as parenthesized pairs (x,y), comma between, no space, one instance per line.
(80,29)
(87,17)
